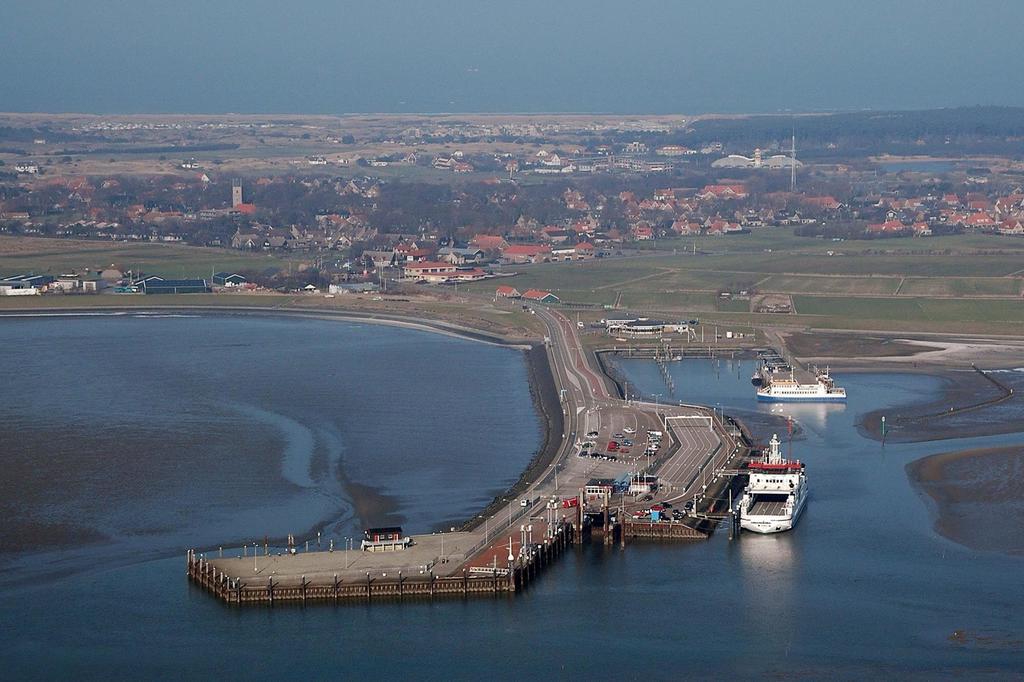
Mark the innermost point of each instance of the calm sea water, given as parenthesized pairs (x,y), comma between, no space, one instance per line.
(236,427)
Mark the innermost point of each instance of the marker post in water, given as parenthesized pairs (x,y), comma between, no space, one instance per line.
(789,428)
(883,430)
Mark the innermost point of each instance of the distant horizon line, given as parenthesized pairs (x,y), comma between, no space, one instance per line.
(805,112)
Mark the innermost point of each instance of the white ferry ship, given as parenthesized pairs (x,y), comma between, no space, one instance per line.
(790,390)
(776,493)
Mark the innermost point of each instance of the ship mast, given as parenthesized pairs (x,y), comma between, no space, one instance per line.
(773,455)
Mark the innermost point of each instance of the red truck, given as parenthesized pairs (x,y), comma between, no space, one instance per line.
(570,502)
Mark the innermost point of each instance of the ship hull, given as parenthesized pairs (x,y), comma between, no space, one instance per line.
(767,525)
(771,398)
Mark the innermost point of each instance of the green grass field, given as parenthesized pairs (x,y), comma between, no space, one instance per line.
(668,300)
(57,256)
(794,284)
(932,310)
(961,286)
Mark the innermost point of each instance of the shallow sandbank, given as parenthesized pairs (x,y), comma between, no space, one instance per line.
(976,496)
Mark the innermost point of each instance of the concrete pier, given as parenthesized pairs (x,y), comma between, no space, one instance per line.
(323,576)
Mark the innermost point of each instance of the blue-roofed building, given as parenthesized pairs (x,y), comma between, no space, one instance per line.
(229,279)
(156,285)
(26,281)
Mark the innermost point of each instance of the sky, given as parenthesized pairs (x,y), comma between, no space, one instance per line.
(645,56)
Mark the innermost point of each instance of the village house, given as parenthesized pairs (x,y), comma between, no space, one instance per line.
(555,234)
(685,228)
(1014,226)
(642,232)
(468,275)
(540,296)
(980,221)
(460,256)
(434,272)
(228,279)
(827,203)
(888,227)
(574,201)
(248,240)
(380,259)
(585,250)
(505,291)
(489,242)
(718,227)
(428,271)
(720,192)
(526,253)
(411,253)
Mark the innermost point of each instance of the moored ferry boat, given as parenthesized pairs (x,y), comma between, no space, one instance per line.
(822,390)
(776,493)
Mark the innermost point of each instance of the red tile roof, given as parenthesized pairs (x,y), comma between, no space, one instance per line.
(537,294)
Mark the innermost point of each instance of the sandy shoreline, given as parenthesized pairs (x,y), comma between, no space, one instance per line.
(975,496)
(968,405)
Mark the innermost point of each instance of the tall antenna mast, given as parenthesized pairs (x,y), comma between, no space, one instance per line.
(792,165)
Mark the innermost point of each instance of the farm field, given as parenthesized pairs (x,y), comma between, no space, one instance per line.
(871,264)
(973,283)
(961,286)
(669,300)
(56,256)
(783,240)
(643,278)
(796,284)
(932,310)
